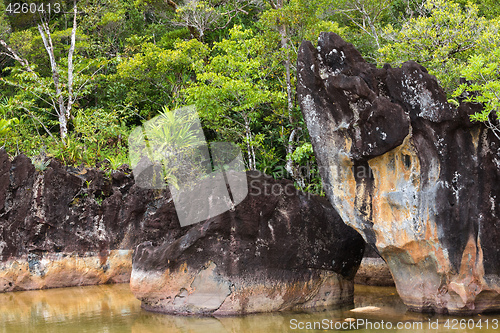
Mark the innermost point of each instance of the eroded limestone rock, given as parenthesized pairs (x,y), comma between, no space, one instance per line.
(408,171)
(279,249)
(64,227)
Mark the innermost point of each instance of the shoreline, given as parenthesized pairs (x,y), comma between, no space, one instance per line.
(60,270)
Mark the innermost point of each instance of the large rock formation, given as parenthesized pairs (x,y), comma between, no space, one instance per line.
(63,226)
(408,171)
(279,249)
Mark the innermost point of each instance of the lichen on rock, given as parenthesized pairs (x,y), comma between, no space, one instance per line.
(280,249)
(409,171)
(65,226)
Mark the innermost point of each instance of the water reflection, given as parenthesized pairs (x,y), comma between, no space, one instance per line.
(107,308)
(250,323)
(112,308)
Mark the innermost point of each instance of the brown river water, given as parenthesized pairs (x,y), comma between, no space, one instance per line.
(113,308)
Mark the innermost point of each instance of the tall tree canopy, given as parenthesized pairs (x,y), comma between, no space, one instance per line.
(75,83)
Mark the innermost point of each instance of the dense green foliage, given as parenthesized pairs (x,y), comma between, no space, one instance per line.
(116,64)
(442,40)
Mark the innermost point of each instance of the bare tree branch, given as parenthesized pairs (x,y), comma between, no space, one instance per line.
(13,55)
(36,118)
(70,63)
(370,12)
(272,4)
(172,4)
(199,18)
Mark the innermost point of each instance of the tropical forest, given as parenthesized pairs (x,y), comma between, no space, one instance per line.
(76,79)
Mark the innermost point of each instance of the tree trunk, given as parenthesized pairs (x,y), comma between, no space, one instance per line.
(70,63)
(290,165)
(252,164)
(49,47)
(63,108)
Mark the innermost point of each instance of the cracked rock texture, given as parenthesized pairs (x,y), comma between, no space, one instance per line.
(409,171)
(66,227)
(279,249)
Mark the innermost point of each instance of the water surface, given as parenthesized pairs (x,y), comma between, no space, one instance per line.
(112,308)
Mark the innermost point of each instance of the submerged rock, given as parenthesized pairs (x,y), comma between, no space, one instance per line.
(62,226)
(409,171)
(279,249)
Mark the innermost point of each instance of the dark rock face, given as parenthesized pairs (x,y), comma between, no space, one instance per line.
(63,227)
(279,249)
(409,172)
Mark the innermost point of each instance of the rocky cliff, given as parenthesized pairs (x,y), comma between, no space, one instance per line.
(64,227)
(410,172)
(279,249)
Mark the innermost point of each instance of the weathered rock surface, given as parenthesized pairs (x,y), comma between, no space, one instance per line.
(409,172)
(373,270)
(64,227)
(278,250)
